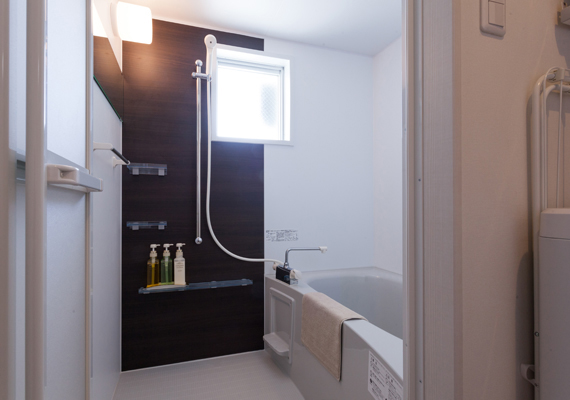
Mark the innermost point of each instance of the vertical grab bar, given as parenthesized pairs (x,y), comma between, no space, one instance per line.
(197,76)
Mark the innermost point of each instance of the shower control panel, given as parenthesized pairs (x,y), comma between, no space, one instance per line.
(284,275)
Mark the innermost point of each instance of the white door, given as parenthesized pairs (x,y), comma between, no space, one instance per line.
(58,199)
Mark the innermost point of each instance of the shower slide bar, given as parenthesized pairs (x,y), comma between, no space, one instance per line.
(199,75)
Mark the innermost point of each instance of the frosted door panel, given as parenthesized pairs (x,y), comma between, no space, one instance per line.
(18,74)
(65,354)
(66,79)
(65,294)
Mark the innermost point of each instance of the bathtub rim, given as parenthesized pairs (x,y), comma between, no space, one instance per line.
(304,283)
(388,347)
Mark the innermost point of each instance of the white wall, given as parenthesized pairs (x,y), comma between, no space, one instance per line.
(323,185)
(388,176)
(106,225)
(497,76)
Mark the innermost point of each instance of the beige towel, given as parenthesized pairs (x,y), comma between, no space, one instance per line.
(321,330)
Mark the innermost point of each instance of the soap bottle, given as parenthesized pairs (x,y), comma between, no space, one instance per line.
(179,266)
(153,268)
(166,266)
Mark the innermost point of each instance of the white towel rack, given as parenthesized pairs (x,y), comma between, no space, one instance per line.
(552,81)
(555,80)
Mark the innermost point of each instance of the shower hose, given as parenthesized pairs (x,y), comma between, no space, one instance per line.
(208,185)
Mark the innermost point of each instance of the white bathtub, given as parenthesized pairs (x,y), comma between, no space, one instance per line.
(372,292)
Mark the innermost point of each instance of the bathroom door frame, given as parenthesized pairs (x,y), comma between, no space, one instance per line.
(433,365)
(7,217)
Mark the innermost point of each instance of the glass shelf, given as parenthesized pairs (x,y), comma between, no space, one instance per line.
(195,286)
(136,225)
(147,169)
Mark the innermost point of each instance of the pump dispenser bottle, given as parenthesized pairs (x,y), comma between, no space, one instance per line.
(179,266)
(166,267)
(153,268)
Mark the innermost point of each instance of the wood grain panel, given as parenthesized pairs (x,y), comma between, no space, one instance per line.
(160,127)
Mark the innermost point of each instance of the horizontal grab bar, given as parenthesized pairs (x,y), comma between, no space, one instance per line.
(109,146)
(72,178)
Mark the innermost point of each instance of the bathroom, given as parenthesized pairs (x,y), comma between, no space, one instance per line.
(318,187)
(408,149)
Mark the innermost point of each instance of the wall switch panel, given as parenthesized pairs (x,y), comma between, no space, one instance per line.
(494,17)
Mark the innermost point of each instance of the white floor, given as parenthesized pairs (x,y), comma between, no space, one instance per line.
(247,376)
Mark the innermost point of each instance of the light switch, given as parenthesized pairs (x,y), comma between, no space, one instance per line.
(494,17)
(497,14)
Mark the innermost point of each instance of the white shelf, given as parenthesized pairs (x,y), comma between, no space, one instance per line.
(147,169)
(277,344)
(196,286)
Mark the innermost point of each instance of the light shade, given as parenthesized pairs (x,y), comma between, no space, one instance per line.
(98,28)
(132,23)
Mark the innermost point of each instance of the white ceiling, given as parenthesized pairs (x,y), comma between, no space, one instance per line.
(357,26)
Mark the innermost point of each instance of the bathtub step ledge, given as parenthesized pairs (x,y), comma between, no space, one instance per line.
(277,344)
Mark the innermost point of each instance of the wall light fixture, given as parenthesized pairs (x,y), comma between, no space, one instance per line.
(98,29)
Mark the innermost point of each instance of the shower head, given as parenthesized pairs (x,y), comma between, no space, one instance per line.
(210,42)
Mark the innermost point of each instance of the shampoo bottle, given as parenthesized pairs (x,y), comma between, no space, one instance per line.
(166,267)
(179,266)
(153,268)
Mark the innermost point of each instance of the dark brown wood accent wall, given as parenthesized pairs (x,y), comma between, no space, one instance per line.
(160,127)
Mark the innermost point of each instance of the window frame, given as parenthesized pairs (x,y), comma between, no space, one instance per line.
(262,61)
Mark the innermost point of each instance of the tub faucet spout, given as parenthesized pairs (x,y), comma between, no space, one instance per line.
(322,249)
(288,275)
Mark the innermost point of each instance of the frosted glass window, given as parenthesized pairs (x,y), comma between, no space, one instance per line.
(250,102)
